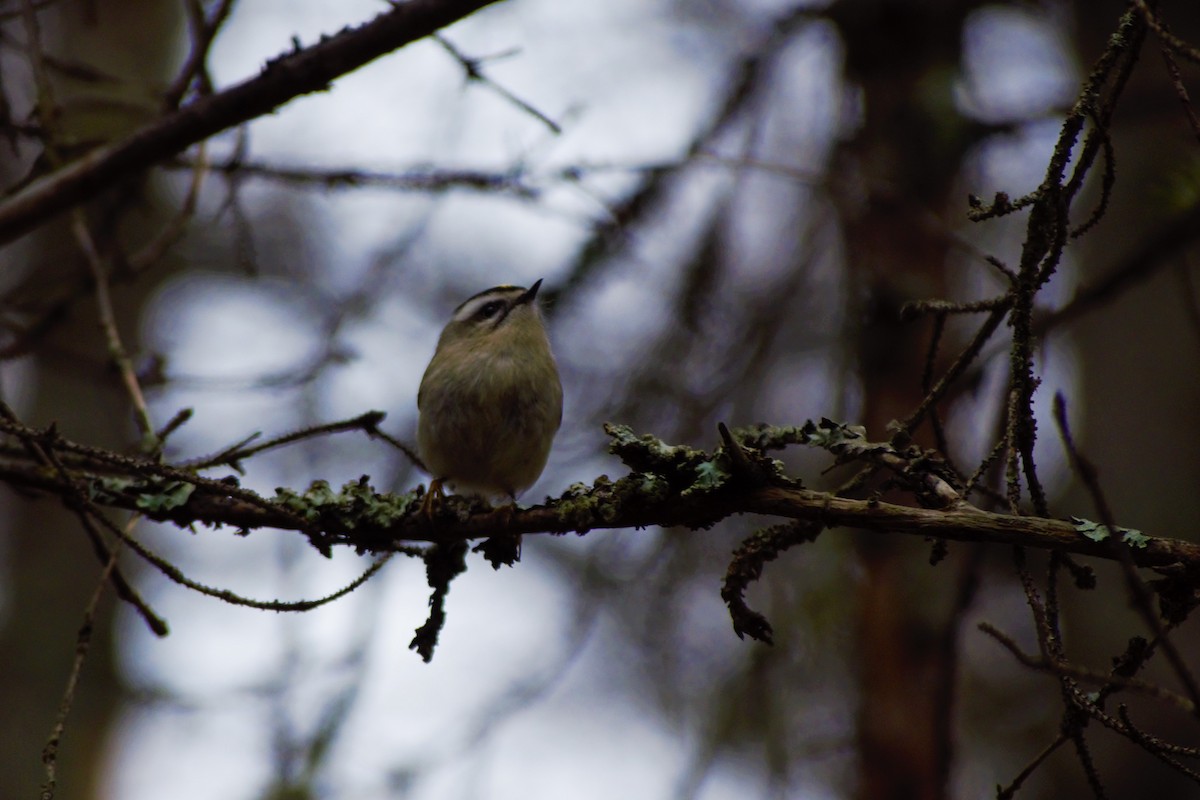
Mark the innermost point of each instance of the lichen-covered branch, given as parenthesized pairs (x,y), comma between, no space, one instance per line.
(669,486)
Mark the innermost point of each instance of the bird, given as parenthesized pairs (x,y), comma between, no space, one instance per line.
(490,401)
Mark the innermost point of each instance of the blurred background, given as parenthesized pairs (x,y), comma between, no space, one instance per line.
(737,200)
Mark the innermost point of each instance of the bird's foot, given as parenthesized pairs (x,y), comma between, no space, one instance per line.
(433,498)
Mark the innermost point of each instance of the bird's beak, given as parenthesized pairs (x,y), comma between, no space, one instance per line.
(530,293)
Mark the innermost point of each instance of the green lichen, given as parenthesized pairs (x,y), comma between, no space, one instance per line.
(690,472)
(583,507)
(665,468)
(1099,532)
(769,437)
(155,496)
(648,486)
(710,476)
(647,453)
(836,437)
(356,506)
(172,494)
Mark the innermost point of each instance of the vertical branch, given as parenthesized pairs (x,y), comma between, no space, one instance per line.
(83,643)
(112,337)
(956,370)
(1181,90)
(203,31)
(1142,597)
(177,225)
(1046,237)
(935,419)
(1051,647)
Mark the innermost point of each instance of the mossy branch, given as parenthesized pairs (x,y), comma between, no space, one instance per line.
(670,486)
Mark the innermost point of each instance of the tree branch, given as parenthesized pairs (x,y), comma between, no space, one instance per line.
(303,71)
(669,486)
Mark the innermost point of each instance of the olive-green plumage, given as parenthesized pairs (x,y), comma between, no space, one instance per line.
(491,399)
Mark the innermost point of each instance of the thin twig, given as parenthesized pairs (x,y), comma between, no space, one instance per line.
(203,31)
(955,371)
(1169,39)
(943,307)
(83,641)
(935,419)
(1154,746)
(1085,675)
(473,67)
(414,180)
(176,575)
(176,227)
(1010,791)
(1046,237)
(88,513)
(1180,89)
(368,422)
(409,452)
(112,336)
(1033,599)
(1143,598)
(1154,253)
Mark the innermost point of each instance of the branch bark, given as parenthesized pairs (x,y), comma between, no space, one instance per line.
(609,505)
(303,71)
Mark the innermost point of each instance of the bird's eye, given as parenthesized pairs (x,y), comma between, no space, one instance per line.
(491,309)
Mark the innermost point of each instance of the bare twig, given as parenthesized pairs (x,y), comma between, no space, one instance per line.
(1143,598)
(473,67)
(1181,90)
(956,370)
(1084,675)
(83,643)
(112,336)
(368,422)
(1010,791)
(408,451)
(174,574)
(416,180)
(195,69)
(1155,746)
(1169,39)
(153,250)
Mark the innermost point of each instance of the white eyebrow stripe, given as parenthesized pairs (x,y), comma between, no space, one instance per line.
(471,306)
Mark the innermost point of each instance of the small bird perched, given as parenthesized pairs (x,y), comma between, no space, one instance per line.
(491,399)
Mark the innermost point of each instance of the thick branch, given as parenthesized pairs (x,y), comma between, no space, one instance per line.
(303,71)
(609,505)
(967,524)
